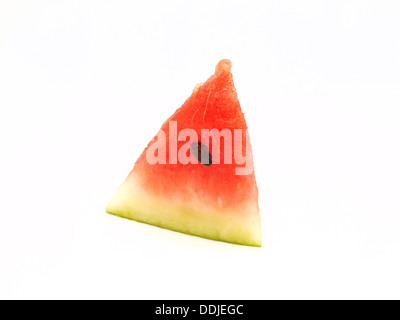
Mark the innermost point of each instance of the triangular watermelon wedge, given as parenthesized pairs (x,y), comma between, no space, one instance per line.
(185,182)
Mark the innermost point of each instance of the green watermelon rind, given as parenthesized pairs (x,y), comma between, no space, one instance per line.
(132,202)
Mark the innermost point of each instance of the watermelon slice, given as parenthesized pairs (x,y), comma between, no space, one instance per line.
(191,182)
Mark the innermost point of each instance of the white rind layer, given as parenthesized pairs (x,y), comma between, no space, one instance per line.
(133,202)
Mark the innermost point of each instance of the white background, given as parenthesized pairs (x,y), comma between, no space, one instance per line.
(85,85)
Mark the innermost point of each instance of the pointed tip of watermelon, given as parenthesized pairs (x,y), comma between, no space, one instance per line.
(224,65)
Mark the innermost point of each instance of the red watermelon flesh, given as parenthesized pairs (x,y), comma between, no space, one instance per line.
(205,199)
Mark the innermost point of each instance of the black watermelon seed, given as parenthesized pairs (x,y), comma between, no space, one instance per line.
(201,152)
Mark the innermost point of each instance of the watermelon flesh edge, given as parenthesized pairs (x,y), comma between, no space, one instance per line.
(134,203)
(207,201)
